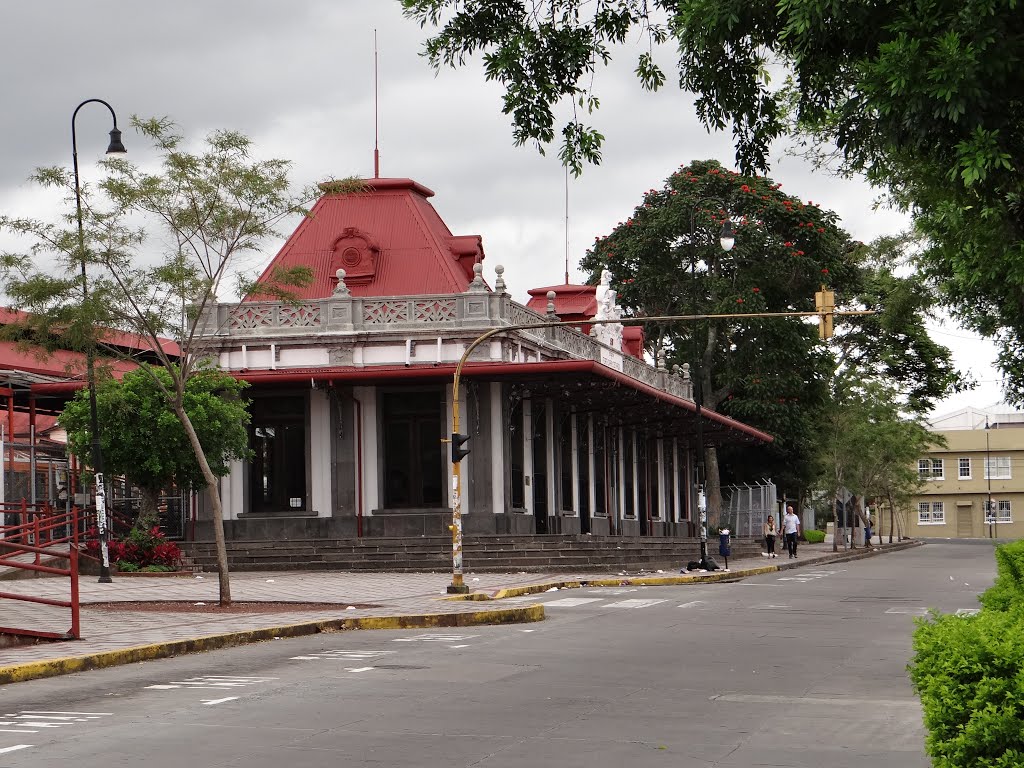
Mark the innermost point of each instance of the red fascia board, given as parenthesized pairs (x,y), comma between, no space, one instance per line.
(446,371)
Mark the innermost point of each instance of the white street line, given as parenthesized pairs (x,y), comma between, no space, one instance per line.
(767,607)
(15,748)
(42,717)
(358,669)
(21,730)
(692,604)
(571,602)
(909,611)
(527,630)
(162,687)
(635,603)
(458,646)
(293,658)
(211,702)
(433,638)
(44,712)
(968,611)
(606,591)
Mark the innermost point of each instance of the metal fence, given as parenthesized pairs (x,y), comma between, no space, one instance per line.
(746,507)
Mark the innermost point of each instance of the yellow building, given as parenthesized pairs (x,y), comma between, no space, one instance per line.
(973,487)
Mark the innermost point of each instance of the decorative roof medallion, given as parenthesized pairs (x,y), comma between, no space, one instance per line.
(356,253)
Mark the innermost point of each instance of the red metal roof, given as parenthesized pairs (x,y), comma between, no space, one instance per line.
(389,240)
(59,363)
(572,302)
(127,341)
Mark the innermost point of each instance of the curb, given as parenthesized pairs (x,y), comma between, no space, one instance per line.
(35,670)
(664,581)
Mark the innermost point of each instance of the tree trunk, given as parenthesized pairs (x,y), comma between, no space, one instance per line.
(713,486)
(215,503)
(149,514)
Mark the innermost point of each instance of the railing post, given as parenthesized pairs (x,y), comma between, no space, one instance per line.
(76,631)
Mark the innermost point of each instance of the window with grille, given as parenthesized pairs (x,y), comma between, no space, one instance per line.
(1003,512)
(931,513)
(964,468)
(930,469)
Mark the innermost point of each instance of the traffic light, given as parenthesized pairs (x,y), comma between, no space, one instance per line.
(825,304)
(458,452)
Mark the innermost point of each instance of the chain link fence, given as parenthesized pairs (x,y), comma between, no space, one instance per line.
(745,508)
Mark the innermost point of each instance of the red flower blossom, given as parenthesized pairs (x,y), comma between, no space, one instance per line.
(755,289)
(824,271)
(788,244)
(744,188)
(799,253)
(739,301)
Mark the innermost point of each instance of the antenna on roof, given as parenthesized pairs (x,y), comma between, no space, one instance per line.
(567,225)
(376,151)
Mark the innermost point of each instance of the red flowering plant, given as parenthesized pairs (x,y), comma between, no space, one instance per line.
(145,550)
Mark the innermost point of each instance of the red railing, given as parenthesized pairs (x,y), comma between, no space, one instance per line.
(38,532)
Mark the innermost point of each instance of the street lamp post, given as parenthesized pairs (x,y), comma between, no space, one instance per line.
(727,239)
(990,514)
(114,148)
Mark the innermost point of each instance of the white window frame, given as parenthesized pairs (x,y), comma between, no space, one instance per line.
(927,468)
(1004,511)
(998,464)
(931,513)
(960,467)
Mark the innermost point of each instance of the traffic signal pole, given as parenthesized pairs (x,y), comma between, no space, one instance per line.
(458,585)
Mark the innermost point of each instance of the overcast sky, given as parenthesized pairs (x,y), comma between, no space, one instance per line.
(298,78)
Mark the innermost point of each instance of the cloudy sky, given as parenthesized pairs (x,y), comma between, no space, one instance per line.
(298,78)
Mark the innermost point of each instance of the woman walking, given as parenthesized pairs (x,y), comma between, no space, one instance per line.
(769,535)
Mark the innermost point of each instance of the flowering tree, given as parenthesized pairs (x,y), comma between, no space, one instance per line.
(770,372)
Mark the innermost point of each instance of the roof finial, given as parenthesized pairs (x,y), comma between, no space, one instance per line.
(341,290)
(551,303)
(499,281)
(478,283)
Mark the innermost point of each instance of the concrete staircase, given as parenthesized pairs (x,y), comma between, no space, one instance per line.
(480,553)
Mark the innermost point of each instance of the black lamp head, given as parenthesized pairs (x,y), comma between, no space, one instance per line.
(116,147)
(728,236)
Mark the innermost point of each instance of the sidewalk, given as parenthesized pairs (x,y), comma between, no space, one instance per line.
(356,601)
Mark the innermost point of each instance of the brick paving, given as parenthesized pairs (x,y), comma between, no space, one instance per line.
(391,594)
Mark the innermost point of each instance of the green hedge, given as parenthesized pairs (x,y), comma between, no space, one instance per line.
(1008,588)
(969,673)
(813,536)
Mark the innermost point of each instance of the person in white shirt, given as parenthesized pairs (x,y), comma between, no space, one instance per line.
(791,527)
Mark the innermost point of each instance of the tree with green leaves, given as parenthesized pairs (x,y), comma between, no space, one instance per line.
(770,372)
(869,445)
(143,439)
(160,247)
(921,98)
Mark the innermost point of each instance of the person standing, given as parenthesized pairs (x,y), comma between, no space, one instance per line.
(770,532)
(791,527)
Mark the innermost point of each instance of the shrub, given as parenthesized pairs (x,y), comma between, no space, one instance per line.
(1008,589)
(141,548)
(967,671)
(813,536)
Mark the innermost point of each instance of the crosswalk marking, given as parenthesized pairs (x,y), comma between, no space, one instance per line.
(692,604)
(634,603)
(32,720)
(433,638)
(15,748)
(211,702)
(210,683)
(611,591)
(571,602)
(343,655)
(909,611)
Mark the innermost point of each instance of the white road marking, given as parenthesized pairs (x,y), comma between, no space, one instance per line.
(692,604)
(968,611)
(210,683)
(211,702)
(93,715)
(909,611)
(753,698)
(15,748)
(358,669)
(607,591)
(767,607)
(343,655)
(635,603)
(571,602)
(434,638)
(458,646)
(20,730)
(527,630)
(809,576)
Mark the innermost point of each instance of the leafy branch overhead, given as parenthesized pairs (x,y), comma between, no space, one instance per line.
(924,99)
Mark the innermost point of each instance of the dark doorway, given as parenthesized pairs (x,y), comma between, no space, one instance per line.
(540,466)
(277,434)
(413,452)
(583,467)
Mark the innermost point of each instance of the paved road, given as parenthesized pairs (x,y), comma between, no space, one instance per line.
(799,668)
